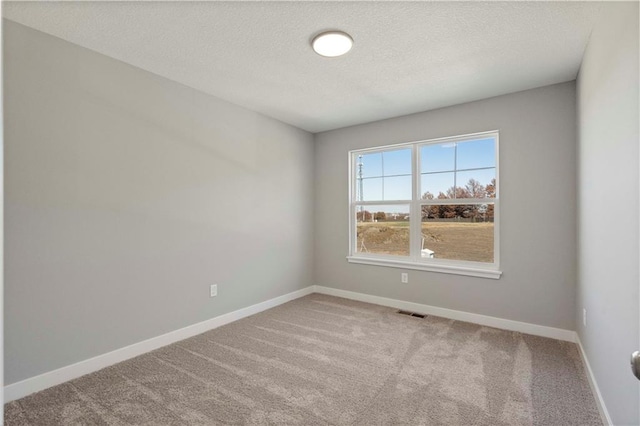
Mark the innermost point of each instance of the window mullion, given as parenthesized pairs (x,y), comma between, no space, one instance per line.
(415,216)
(455,170)
(457,201)
(353,195)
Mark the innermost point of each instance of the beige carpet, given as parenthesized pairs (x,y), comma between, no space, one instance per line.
(323,360)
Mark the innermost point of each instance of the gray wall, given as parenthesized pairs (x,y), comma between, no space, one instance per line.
(538,232)
(608,208)
(127,195)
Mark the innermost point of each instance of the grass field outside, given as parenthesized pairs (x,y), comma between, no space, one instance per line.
(463,240)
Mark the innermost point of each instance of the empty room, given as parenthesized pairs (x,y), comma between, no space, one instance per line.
(320,213)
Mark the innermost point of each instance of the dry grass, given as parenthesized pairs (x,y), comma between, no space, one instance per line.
(449,240)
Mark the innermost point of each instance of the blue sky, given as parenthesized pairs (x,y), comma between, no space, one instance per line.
(387,175)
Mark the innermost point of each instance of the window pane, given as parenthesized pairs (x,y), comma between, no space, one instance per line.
(458,232)
(436,183)
(437,157)
(383,229)
(369,164)
(397,162)
(369,189)
(384,176)
(476,154)
(397,188)
(476,184)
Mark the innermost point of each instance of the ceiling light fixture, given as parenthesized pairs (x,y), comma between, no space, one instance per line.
(332,43)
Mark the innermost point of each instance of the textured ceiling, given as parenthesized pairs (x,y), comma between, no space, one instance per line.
(407,57)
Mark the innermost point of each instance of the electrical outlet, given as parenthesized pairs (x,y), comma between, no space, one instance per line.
(404,277)
(584,317)
(213,290)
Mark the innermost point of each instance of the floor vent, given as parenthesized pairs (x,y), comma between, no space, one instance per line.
(411,314)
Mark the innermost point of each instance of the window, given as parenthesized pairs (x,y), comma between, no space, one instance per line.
(430,205)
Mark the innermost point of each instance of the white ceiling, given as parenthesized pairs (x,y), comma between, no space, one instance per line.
(407,57)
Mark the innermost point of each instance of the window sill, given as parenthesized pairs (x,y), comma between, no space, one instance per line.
(444,269)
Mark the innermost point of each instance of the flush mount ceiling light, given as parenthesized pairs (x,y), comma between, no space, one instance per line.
(332,43)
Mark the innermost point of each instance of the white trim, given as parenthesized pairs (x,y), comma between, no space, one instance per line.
(423,266)
(459,138)
(1,238)
(602,408)
(43,381)
(504,324)
(383,203)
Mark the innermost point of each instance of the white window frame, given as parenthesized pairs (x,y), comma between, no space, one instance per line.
(414,260)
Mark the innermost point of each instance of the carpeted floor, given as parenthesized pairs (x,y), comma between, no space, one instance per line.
(322,360)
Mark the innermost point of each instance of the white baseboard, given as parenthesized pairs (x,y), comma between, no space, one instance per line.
(602,408)
(43,381)
(505,324)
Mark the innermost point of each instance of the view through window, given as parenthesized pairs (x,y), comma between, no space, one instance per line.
(429,202)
